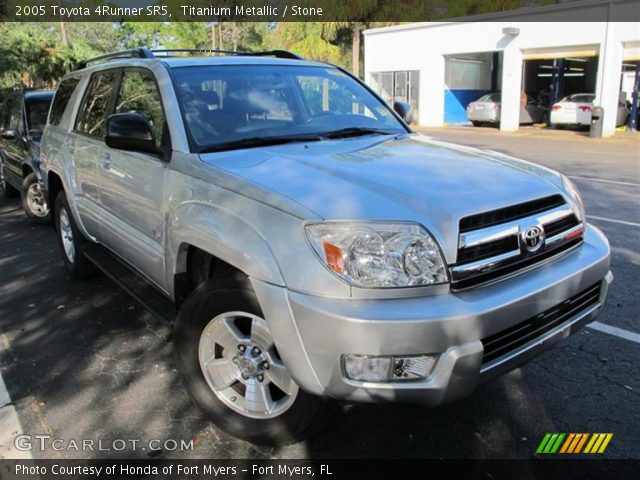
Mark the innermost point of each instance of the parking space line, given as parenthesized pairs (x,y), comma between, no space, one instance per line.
(615,331)
(613,220)
(615,182)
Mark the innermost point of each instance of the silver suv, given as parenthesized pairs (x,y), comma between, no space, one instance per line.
(312,245)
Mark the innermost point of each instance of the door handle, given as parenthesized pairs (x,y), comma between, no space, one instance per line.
(105,160)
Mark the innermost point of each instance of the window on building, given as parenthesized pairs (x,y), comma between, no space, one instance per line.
(402,86)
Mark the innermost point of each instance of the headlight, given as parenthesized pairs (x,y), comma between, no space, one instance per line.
(578,203)
(376,254)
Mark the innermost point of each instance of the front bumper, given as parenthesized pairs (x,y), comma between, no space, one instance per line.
(485,115)
(313,333)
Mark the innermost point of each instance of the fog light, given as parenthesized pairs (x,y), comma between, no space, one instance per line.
(367,369)
(384,369)
(413,368)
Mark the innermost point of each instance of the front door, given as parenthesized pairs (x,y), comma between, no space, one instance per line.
(132,184)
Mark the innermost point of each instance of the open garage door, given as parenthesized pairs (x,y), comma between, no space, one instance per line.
(467,78)
(551,79)
(551,74)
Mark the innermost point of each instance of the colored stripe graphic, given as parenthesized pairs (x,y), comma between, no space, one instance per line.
(567,442)
(606,441)
(543,443)
(581,443)
(573,443)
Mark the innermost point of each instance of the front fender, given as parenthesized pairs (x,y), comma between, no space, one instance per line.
(224,234)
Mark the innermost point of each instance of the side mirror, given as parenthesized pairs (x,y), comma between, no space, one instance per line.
(130,131)
(404,110)
(10,134)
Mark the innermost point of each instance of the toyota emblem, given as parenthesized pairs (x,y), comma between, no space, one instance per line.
(533,238)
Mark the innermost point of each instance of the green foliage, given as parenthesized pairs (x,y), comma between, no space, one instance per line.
(37,55)
(33,54)
(312,40)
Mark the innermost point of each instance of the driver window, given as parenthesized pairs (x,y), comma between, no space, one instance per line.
(138,93)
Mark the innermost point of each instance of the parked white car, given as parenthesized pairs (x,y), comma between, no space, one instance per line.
(576,110)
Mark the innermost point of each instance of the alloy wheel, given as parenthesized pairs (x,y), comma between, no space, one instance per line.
(66,233)
(36,201)
(243,368)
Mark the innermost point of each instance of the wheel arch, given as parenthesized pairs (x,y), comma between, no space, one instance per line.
(26,170)
(222,236)
(54,186)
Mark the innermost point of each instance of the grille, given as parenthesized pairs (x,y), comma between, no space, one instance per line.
(492,249)
(489,249)
(504,342)
(554,228)
(515,212)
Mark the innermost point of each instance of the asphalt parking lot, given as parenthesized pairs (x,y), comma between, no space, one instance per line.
(83,361)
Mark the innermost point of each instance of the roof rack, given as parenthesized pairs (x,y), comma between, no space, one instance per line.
(241,53)
(144,52)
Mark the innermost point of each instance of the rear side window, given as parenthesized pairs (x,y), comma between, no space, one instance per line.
(63,94)
(15,115)
(138,93)
(96,105)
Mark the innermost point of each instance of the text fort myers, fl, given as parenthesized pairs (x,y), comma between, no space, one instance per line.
(179,469)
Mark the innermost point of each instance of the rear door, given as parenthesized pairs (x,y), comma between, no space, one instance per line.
(89,148)
(132,184)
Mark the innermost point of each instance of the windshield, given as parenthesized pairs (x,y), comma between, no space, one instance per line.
(580,98)
(489,97)
(229,103)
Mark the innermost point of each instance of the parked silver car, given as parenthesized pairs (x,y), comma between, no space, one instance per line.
(314,246)
(486,110)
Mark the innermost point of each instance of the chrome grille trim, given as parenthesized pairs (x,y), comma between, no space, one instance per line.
(498,232)
(492,253)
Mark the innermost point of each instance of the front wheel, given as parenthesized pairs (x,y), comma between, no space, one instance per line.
(234,372)
(34,202)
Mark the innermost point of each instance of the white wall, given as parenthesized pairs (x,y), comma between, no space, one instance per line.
(423,47)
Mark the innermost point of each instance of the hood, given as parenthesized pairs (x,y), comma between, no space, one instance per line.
(409,178)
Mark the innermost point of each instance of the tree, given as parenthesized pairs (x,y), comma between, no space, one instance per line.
(313,40)
(142,34)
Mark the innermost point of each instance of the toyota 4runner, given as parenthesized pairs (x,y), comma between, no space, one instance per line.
(312,245)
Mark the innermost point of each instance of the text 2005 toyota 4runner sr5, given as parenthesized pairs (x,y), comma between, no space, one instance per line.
(314,246)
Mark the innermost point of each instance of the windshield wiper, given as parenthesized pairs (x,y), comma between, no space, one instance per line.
(356,132)
(253,142)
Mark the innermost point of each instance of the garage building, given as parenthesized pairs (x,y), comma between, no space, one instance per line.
(440,67)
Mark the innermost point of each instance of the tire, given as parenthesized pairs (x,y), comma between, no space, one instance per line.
(476,123)
(214,315)
(71,240)
(34,202)
(6,190)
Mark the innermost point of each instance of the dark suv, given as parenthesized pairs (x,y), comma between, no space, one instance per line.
(22,119)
